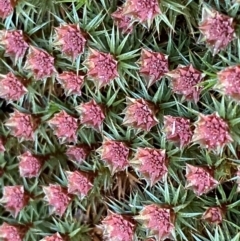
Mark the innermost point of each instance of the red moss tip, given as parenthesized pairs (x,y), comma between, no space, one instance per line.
(213,215)
(115,155)
(151,163)
(102,68)
(153,66)
(77,153)
(10,232)
(185,81)
(70,40)
(65,127)
(199,179)
(118,227)
(7,8)
(140,114)
(54,237)
(217,29)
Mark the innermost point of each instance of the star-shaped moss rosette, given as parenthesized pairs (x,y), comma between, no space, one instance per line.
(122,21)
(54,237)
(212,132)
(70,40)
(77,153)
(92,114)
(14,43)
(151,164)
(158,220)
(11,87)
(228,82)
(57,198)
(102,68)
(217,29)
(79,183)
(14,199)
(178,130)
(213,215)
(140,114)
(22,125)
(185,81)
(143,11)
(118,227)
(10,232)
(153,66)
(65,127)
(114,154)
(200,179)
(40,63)
(7,8)
(29,165)
(71,82)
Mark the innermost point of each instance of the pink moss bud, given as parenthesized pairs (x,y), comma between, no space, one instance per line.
(79,183)
(54,237)
(140,114)
(153,66)
(217,29)
(228,82)
(213,215)
(29,165)
(115,155)
(102,68)
(92,114)
(158,220)
(7,8)
(65,127)
(40,63)
(71,82)
(14,199)
(199,179)
(2,148)
(14,43)
(11,87)
(142,10)
(11,232)
(22,125)
(78,153)
(185,81)
(238,179)
(212,132)
(57,198)
(178,130)
(151,163)
(71,40)
(117,227)
(123,22)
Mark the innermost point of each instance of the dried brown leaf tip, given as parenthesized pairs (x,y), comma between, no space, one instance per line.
(217,29)
(153,66)
(54,237)
(141,10)
(10,232)
(200,180)
(115,155)
(70,40)
(158,220)
(151,164)
(102,68)
(185,80)
(212,132)
(117,227)
(178,130)
(229,82)
(140,114)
